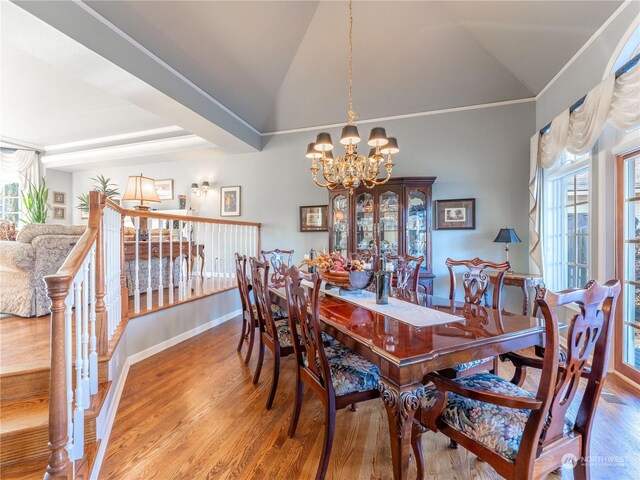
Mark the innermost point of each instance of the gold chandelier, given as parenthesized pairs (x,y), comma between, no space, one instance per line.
(352,169)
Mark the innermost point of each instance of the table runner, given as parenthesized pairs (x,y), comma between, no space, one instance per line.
(405,312)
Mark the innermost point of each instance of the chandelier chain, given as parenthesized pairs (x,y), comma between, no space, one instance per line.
(351,113)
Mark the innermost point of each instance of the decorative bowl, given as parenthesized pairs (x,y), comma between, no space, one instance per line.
(356,280)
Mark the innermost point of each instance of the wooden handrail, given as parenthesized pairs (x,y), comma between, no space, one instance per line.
(170,216)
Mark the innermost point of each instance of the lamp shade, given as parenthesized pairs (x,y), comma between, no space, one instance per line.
(349,135)
(378,137)
(323,142)
(507,235)
(391,147)
(312,152)
(142,189)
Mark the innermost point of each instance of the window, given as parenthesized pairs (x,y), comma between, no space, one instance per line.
(567,202)
(10,201)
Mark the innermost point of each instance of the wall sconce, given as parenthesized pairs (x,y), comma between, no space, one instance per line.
(200,191)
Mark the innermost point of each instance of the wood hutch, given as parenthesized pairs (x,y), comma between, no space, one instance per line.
(401,210)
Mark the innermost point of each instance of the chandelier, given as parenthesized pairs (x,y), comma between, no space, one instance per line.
(352,169)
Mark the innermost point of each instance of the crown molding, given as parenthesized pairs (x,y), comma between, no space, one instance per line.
(586,45)
(406,115)
(134,137)
(130,150)
(8,142)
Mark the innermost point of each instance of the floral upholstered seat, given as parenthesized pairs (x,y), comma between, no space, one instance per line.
(277,312)
(350,372)
(466,366)
(497,428)
(284,333)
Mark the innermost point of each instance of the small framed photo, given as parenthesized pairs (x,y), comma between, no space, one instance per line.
(59,198)
(230,201)
(456,214)
(164,189)
(58,213)
(84,214)
(313,218)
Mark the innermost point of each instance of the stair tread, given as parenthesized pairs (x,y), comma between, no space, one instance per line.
(25,469)
(29,413)
(19,355)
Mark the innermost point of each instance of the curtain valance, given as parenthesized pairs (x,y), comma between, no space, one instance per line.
(614,100)
(24,162)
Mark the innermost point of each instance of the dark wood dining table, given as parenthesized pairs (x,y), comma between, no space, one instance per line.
(406,353)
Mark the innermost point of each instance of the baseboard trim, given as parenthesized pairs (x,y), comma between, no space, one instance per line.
(138,357)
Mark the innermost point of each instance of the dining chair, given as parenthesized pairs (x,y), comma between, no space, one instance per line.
(522,435)
(405,276)
(249,322)
(339,376)
(275,334)
(475,282)
(279,260)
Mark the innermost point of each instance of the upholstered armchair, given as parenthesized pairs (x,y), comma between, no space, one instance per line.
(38,250)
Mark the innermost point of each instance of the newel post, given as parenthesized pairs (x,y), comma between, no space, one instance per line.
(124,291)
(59,465)
(96,211)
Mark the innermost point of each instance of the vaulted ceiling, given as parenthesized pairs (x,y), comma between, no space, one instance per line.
(249,68)
(283,65)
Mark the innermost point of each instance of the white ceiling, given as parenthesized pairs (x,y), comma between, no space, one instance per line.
(229,71)
(45,105)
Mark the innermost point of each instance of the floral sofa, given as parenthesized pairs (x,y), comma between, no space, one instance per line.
(37,250)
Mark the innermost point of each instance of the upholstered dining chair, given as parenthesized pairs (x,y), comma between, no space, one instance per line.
(405,276)
(475,282)
(249,322)
(523,435)
(337,375)
(275,334)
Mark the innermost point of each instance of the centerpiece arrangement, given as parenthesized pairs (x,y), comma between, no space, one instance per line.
(348,275)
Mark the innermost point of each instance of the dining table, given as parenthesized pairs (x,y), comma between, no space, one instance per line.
(409,338)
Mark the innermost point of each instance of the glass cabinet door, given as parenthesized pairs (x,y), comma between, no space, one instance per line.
(417,224)
(340,224)
(388,219)
(364,222)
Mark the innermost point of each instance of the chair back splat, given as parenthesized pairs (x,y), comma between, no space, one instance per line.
(248,320)
(304,312)
(259,283)
(280,261)
(406,273)
(476,281)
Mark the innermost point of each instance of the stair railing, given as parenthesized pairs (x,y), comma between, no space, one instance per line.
(90,297)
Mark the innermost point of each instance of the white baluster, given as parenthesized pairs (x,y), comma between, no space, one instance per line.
(181,279)
(118,252)
(189,260)
(225,241)
(93,354)
(78,414)
(161,274)
(212,256)
(197,263)
(218,257)
(149,289)
(136,292)
(171,266)
(68,356)
(85,331)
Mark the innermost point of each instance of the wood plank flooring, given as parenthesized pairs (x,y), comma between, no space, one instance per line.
(191,412)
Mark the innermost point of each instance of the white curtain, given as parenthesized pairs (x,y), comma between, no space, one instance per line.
(25,163)
(616,101)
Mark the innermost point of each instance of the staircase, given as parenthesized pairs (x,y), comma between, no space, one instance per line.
(24,401)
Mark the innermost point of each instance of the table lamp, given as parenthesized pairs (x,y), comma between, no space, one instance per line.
(507,236)
(142,189)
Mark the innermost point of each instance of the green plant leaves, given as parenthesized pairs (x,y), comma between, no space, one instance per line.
(34,202)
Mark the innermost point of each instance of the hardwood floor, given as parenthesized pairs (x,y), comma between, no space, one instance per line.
(191,412)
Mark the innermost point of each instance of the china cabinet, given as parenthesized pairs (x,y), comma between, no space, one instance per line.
(394,218)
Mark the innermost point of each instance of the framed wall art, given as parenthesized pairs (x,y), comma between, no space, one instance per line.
(313,218)
(59,198)
(456,214)
(164,189)
(230,201)
(58,213)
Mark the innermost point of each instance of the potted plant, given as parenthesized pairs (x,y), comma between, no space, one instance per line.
(102,185)
(34,203)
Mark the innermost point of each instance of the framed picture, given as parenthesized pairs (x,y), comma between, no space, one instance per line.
(59,198)
(313,218)
(229,201)
(84,214)
(164,189)
(58,213)
(457,214)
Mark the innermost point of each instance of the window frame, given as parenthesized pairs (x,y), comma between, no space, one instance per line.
(555,231)
(4,215)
